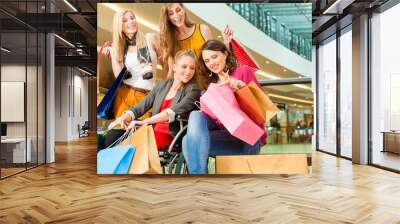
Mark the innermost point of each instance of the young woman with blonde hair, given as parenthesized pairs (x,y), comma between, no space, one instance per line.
(137,52)
(169,99)
(178,32)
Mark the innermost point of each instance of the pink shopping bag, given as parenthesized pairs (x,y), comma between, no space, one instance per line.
(226,93)
(220,102)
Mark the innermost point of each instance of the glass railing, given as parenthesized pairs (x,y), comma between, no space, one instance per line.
(272,19)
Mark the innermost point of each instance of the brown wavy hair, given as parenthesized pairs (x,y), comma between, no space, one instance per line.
(206,76)
(168,40)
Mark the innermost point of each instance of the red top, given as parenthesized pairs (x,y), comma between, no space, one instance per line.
(161,129)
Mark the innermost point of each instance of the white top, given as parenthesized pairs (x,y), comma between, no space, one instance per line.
(134,67)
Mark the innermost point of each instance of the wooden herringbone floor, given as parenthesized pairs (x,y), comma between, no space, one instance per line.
(69,191)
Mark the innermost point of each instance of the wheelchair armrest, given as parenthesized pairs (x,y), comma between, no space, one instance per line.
(182,121)
(177,136)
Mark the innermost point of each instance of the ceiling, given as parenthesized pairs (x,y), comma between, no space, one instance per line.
(329,16)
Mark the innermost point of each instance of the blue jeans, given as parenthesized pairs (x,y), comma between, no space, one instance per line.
(205,138)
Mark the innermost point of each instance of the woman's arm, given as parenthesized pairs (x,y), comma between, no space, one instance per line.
(206,32)
(160,117)
(127,119)
(145,104)
(116,65)
(227,35)
(192,94)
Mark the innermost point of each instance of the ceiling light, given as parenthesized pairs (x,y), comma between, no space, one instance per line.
(70,5)
(284,70)
(64,40)
(303,86)
(290,98)
(267,62)
(140,20)
(112,6)
(5,50)
(148,24)
(259,72)
(219,36)
(338,6)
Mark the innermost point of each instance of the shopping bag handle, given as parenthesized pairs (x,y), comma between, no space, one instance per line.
(197,103)
(127,134)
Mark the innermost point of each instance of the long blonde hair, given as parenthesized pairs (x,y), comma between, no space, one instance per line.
(119,38)
(168,40)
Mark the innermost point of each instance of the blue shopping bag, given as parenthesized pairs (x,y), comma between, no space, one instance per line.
(105,108)
(115,160)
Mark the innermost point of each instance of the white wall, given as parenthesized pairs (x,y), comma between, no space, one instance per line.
(12,73)
(61,103)
(34,125)
(314,90)
(71,93)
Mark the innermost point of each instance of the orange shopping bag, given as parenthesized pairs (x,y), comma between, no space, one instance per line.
(250,105)
(146,160)
(267,106)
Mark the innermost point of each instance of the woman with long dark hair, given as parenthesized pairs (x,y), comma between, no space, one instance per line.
(207,137)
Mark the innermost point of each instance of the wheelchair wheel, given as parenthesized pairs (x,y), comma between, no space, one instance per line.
(177,165)
(180,167)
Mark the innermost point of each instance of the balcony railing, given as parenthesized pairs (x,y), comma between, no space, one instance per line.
(266,20)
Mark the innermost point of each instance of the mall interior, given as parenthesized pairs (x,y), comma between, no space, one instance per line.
(330,66)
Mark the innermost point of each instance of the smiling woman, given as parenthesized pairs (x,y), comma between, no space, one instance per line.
(169,99)
(137,52)
(178,32)
(206,136)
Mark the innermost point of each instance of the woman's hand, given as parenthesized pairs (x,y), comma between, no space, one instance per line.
(235,84)
(227,34)
(106,49)
(123,120)
(133,124)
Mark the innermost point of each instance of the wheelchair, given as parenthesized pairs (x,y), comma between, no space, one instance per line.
(83,130)
(172,159)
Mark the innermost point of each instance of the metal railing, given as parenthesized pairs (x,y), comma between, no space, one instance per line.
(269,24)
